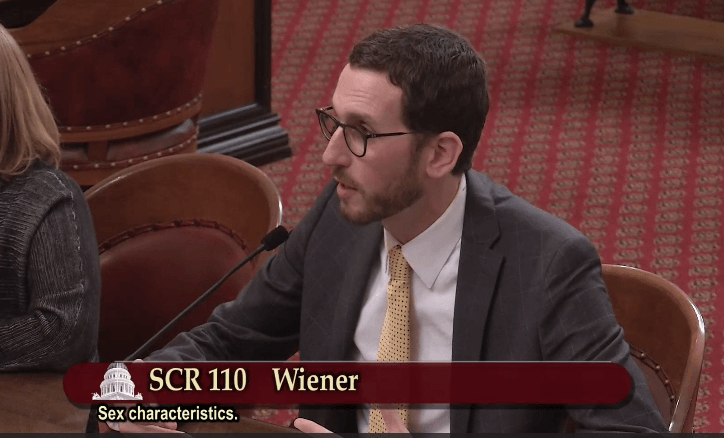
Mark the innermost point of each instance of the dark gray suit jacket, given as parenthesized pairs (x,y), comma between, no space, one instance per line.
(529,289)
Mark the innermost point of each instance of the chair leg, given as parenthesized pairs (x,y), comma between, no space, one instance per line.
(623,8)
(585,20)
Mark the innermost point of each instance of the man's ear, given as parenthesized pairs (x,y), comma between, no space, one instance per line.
(443,152)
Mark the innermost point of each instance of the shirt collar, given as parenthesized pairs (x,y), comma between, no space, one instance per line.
(428,252)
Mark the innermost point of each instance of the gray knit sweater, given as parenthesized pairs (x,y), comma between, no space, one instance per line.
(49,273)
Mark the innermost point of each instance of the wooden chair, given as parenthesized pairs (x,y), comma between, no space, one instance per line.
(124,78)
(666,334)
(167,230)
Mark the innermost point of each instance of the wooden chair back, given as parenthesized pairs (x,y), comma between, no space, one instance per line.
(666,333)
(167,230)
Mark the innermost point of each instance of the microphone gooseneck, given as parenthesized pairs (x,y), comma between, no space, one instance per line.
(271,241)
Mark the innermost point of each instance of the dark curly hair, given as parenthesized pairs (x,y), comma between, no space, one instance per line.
(443,80)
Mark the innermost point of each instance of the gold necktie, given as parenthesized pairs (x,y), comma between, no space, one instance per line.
(395,339)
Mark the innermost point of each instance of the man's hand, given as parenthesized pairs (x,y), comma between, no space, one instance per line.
(308,426)
(393,423)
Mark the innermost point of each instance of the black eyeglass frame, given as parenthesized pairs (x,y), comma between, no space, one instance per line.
(365,136)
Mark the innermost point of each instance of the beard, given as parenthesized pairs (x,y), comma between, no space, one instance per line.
(402,193)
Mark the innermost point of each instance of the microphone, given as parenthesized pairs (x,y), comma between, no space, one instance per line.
(276,237)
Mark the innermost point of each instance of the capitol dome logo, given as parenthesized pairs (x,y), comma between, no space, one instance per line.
(117,384)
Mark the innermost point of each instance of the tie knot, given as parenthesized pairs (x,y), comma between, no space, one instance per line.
(399,268)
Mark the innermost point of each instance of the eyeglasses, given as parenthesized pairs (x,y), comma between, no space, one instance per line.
(356,139)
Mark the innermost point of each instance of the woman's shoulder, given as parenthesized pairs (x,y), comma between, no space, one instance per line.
(44,182)
(38,189)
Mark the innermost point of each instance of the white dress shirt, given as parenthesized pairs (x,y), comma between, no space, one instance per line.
(433,256)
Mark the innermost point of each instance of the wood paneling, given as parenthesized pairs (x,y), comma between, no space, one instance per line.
(230,76)
(236,117)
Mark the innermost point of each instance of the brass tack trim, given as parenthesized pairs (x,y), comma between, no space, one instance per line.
(660,372)
(113,164)
(146,228)
(95,36)
(128,123)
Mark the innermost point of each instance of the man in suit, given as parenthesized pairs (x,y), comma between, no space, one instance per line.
(491,277)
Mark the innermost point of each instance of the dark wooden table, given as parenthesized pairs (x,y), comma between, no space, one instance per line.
(33,402)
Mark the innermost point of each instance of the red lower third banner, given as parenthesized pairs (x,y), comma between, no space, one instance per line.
(332,383)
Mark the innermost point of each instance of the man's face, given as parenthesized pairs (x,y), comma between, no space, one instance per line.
(387,179)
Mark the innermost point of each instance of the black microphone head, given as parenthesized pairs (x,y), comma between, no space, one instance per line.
(276,237)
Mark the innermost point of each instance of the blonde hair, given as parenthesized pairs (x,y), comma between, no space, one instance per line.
(28,131)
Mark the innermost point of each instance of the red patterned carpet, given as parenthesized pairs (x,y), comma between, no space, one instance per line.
(626,145)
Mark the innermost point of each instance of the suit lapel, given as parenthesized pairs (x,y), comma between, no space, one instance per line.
(477,275)
(363,252)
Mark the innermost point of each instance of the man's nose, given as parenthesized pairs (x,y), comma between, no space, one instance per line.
(336,154)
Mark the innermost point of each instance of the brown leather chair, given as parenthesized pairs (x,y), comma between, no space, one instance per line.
(167,230)
(666,334)
(124,78)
